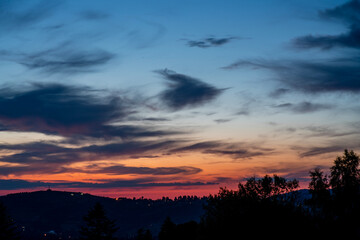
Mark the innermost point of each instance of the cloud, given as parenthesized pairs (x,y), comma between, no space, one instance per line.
(350,39)
(236,154)
(185,91)
(210,42)
(314,151)
(16,15)
(76,112)
(330,132)
(49,158)
(56,108)
(233,150)
(279,92)
(65,58)
(304,107)
(311,76)
(94,15)
(14,184)
(348,13)
(40,157)
(122,170)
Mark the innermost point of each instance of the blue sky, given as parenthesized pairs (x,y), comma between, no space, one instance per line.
(183,93)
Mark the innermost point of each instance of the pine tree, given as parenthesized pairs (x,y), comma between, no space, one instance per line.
(98,226)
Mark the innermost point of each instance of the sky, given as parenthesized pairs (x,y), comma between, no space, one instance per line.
(167,98)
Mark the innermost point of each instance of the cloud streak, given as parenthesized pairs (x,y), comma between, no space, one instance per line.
(14,184)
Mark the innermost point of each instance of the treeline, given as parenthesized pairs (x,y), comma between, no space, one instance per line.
(260,208)
(269,207)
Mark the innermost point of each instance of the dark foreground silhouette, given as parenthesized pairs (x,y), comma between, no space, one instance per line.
(260,208)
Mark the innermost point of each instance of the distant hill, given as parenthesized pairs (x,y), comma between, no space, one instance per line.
(41,212)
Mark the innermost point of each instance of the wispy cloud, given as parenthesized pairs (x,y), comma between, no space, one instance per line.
(65,58)
(20,14)
(304,107)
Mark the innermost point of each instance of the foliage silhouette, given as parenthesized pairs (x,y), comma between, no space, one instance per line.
(345,183)
(8,229)
(319,188)
(168,230)
(172,231)
(98,226)
(259,207)
(345,175)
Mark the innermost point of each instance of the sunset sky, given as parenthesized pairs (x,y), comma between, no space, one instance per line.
(165,98)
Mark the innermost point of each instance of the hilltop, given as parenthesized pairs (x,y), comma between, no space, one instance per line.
(61,212)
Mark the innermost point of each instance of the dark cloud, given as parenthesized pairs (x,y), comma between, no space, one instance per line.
(348,13)
(336,74)
(71,111)
(304,107)
(14,184)
(311,76)
(350,39)
(210,42)
(56,108)
(185,91)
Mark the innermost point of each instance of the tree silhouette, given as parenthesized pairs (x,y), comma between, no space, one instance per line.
(8,229)
(319,187)
(345,175)
(266,187)
(259,207)
(345,183)
(98,226)
(168,230)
